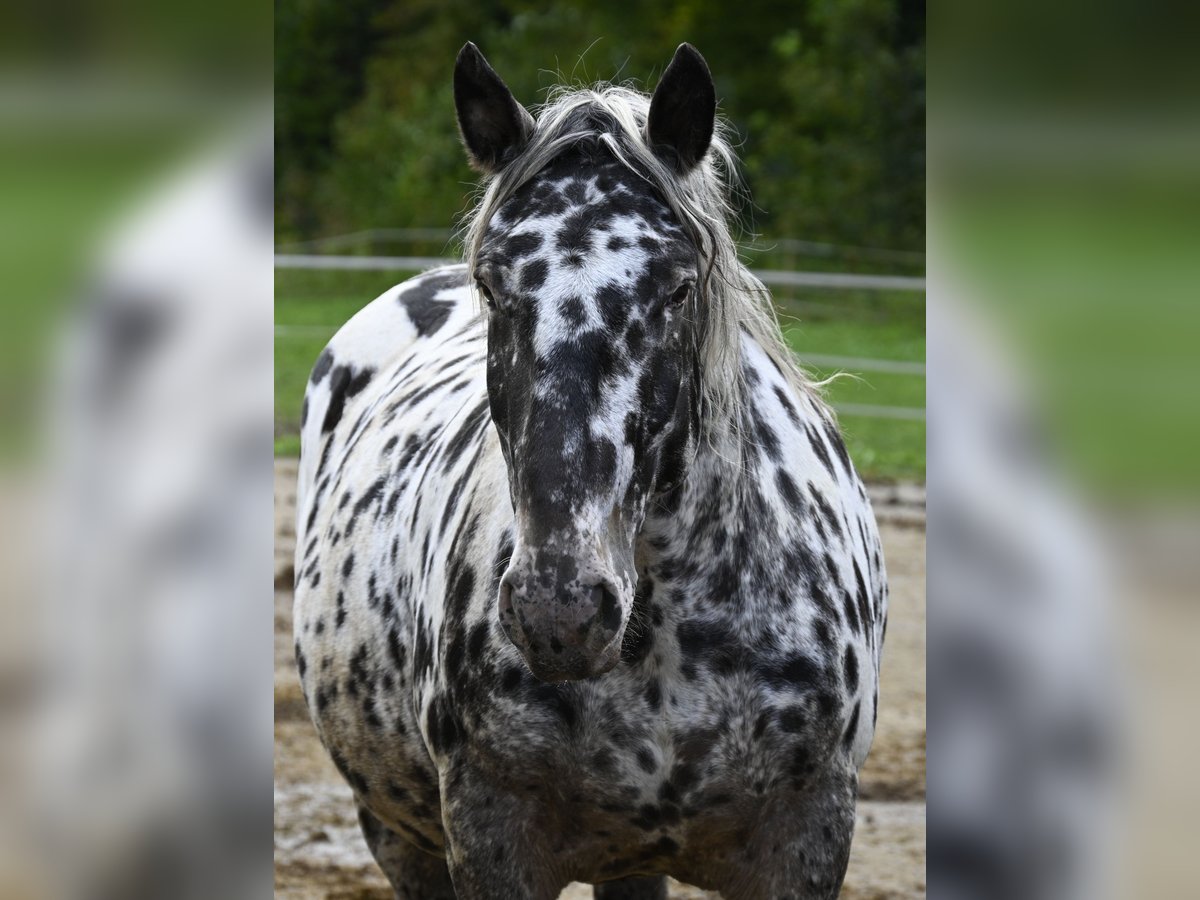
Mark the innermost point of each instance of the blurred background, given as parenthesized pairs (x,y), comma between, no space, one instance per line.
(1064,184)
(135,459)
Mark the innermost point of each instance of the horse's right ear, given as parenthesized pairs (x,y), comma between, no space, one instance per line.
(494,126)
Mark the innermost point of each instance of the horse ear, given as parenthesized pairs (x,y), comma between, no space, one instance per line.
(683,110)
(494,125)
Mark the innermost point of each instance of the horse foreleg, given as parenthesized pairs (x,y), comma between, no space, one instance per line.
(800,847)
(413,873)
(494,848)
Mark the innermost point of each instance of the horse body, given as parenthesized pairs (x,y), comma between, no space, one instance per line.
(708,603)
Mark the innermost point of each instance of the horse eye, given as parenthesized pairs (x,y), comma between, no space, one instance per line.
(680,295)
(487,294)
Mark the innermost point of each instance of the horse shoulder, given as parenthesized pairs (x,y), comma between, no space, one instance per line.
(815,482)
(376,339)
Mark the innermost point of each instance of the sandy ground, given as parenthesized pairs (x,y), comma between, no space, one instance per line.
(320,855)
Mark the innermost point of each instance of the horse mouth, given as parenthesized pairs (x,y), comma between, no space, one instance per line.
(550,660)
(572,667)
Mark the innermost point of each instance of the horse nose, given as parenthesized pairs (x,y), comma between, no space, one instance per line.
(574,618)
(608,610)
(564,632)
(508,615)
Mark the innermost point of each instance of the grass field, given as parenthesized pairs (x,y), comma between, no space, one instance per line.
(311,305)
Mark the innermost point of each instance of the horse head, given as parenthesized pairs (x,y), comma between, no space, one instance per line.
(594,296)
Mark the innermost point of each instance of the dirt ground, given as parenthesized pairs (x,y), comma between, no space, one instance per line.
(320,855)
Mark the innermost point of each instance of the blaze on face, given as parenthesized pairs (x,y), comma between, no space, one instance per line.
(589,281)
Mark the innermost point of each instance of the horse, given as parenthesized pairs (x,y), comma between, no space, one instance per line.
(588,588)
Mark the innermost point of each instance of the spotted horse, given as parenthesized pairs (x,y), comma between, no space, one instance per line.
(588,588)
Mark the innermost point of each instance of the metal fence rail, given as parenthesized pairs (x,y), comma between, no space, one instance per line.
(826,280)
(859,364)
(834,280)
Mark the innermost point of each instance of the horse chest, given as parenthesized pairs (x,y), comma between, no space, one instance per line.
(660,741)
(640,765)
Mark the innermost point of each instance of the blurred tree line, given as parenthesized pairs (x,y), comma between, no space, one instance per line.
(827,95)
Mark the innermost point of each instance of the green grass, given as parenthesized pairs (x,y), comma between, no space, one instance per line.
(869,324)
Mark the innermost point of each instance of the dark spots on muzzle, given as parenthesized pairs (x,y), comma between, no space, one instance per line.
(566,623)
(610,610)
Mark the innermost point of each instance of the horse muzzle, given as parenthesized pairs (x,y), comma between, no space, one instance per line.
(566,618)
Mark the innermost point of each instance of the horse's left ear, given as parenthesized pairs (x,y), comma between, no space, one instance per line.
(494,126)
(683,110)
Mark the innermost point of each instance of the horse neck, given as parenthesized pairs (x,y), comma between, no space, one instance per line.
(711,496)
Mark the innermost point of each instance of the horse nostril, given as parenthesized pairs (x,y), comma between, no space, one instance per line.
(609,607)
(507,614)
